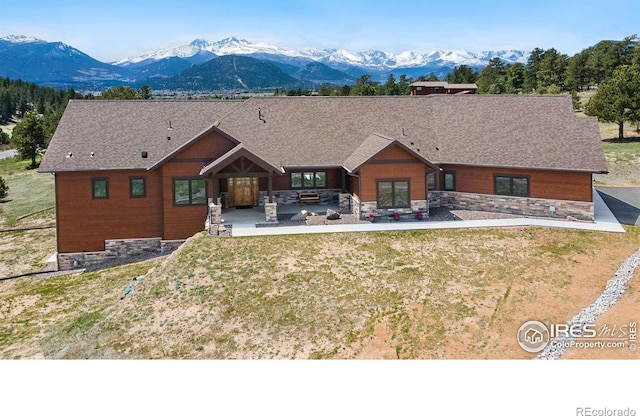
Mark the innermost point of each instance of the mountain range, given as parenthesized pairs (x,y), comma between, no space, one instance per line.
(198,65)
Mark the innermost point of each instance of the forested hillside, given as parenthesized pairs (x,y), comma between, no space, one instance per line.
(545,72)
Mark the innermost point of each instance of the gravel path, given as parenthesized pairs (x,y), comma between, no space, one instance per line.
(613,291)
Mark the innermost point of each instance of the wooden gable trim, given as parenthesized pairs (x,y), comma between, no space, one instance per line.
(213,128)
(394,142)
(241,154)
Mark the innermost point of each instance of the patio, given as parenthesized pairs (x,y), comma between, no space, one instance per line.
(244,222)
(248,217)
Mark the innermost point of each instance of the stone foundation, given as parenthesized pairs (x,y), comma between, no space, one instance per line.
(117,249)
(535,207)
(371,207)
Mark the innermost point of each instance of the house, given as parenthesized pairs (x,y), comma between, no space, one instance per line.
(132,176)
(441,87)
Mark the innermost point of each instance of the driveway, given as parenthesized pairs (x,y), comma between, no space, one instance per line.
(7,154)
(624,203)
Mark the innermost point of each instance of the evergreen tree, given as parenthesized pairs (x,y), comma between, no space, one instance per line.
(462,74)
(514,78)
(4,189)
(618,100)
(29,137)
(118,93)
(533,64)
(391,87)
(364,86)
(403,85)
(578,75)
(144,93)
(551,71)
(492,79)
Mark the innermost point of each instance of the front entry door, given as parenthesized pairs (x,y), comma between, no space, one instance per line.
(245,191)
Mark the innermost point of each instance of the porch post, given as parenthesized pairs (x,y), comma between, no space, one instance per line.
(216,187)
(270,187)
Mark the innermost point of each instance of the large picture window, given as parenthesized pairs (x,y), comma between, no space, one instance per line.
(511,185)
(189,192)
(309,179)
(393,194)
(100,188)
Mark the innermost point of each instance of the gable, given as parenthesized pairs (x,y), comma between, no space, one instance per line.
(205,148)
(380,149)
(393,153)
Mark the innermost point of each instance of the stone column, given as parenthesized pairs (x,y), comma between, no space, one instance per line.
(215,214)
(270,211)
(344,200)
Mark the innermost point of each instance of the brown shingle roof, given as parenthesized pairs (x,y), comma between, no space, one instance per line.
(522,131)
(117,132)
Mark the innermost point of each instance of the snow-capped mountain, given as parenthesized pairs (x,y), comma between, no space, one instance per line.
(21,39)
(60,65)
(54,64)
(338,58)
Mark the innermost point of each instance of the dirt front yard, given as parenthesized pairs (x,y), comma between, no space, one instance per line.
(410,295)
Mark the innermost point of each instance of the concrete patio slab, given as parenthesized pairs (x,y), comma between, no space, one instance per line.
(604,221)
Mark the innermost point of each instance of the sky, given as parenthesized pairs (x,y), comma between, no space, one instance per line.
(116,29)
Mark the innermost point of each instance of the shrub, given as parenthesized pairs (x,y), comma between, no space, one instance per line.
(4,137)
(4,189)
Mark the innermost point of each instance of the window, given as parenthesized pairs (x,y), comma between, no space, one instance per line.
(309,179)
(511,185)
(189,192)
(431,181)
(393,194)
(449,181)
(137,187)
(100,188)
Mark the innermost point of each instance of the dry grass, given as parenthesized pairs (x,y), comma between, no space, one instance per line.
(427,294)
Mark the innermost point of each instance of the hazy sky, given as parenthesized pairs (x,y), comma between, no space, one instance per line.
(111,30)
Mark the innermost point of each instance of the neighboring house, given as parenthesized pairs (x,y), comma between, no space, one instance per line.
(138,175)
(440,87)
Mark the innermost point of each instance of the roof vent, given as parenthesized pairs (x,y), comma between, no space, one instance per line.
(169,128)
(69,155)
(92,155)
(168,138)
(144,154)
(261,116)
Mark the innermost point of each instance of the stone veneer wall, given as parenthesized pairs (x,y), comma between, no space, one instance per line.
(344,202)
(537,207)
(117,249)
(371,207)
(290,197)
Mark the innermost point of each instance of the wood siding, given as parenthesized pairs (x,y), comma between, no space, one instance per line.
(84,223)
(572,186)
(184,221)
(393,163)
